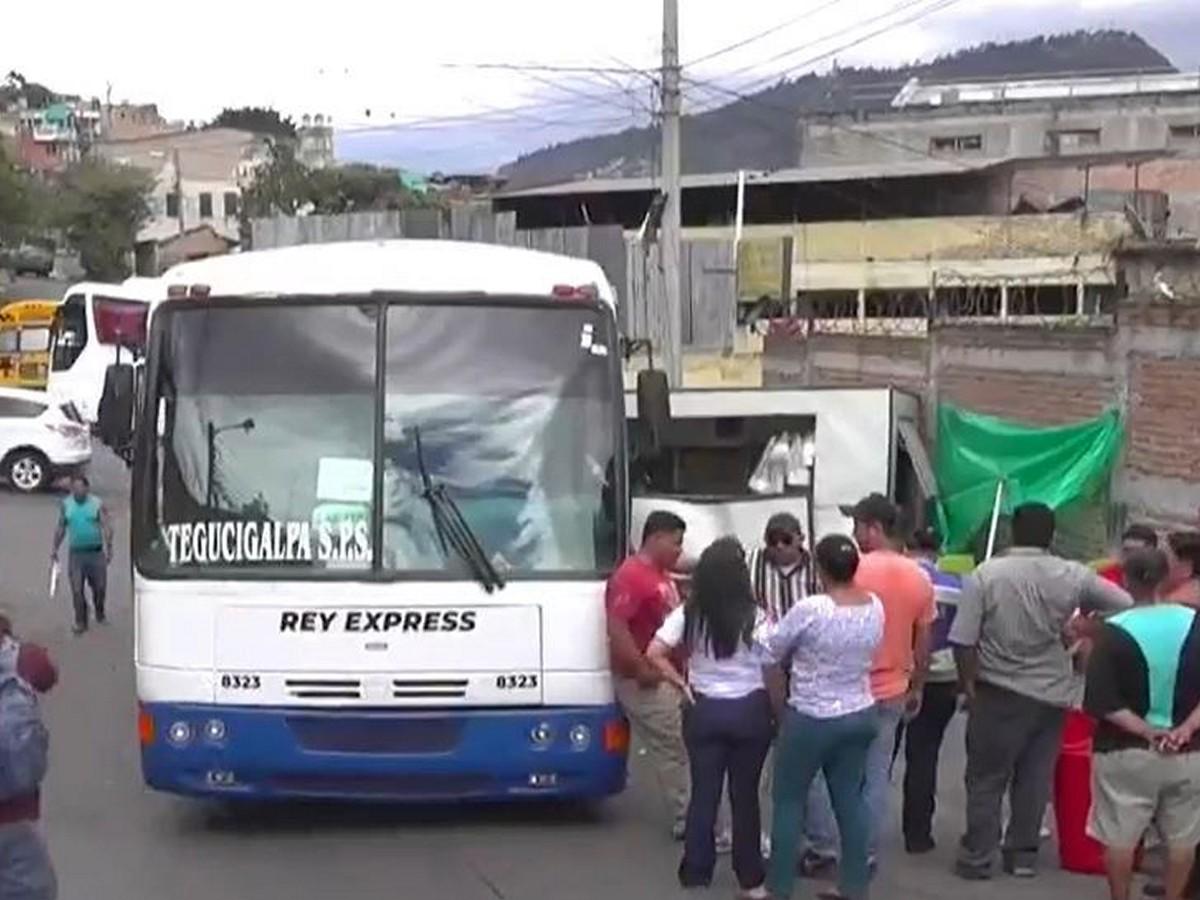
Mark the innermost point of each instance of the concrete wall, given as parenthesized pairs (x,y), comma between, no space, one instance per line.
(1145,364)
(1022,132)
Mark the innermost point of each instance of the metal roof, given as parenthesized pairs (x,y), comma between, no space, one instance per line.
(914,93)
(864,172)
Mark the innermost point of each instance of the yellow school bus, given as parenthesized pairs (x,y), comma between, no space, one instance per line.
(25,342)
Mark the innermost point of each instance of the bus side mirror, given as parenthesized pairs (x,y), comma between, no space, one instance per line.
(114,418)
(654,406)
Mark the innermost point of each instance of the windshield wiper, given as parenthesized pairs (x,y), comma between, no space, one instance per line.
(453,530)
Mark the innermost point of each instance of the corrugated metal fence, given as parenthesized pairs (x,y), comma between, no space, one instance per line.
(709,275)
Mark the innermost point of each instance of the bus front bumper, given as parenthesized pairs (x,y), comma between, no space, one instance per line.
(260,753)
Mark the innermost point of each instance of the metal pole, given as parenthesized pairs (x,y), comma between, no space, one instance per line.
(991,544)
(178,189)
(671,320)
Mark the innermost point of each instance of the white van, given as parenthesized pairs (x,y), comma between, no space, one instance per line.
(95,324)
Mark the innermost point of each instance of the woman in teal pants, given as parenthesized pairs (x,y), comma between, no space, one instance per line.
(830,721)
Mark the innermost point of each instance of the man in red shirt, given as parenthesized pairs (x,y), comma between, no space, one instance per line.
(1135,538)
(639,596)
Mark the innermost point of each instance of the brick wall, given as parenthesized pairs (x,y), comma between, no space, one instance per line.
(1038,398)
(1164,418)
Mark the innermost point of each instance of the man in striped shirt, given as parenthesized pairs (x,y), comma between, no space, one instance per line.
(781,570)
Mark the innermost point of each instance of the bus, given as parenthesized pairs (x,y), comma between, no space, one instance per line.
(95,326)
(25,342)
(377,490)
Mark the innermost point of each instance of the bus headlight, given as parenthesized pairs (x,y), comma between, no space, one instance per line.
(542,735)
(214,731)
(581,737)
(179,734)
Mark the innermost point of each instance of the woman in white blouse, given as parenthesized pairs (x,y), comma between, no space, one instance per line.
(727,721)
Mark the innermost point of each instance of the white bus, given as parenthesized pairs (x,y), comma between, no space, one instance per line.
(95,326)
(377,489)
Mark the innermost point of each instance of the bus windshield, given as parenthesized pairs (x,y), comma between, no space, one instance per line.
(277,431)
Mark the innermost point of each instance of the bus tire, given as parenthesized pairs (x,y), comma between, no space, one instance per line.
(28,471)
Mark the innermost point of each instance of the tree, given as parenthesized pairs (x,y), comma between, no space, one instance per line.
(280,186)
(284,186)
(358,188)
(16,86)
(258,119)
(101,208)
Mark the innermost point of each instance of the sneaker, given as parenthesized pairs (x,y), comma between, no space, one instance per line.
(972,873)
(77,630)
(724,843)
(101,619)
(1020,870)
(754,893)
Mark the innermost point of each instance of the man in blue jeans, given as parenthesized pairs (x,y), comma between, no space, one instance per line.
(84,522)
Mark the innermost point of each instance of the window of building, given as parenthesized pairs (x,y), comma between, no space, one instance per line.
(1074,138)
(231,204)
(206,206)
(1185,135)
(173,205)
(958,143)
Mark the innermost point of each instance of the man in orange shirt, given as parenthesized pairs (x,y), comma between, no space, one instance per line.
(900,666)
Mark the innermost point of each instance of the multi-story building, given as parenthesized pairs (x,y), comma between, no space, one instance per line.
(53,137)
(1151,123)
(199,177)
(130,121)
(314,139)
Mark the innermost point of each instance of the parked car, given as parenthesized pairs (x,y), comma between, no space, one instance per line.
(28,259)
(40,441)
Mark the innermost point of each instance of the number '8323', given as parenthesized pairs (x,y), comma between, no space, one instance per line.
(233,682)
(517,682)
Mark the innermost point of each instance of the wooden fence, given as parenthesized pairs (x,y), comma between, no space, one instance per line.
(708,295)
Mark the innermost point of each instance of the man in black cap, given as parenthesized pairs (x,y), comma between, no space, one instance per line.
(780,569)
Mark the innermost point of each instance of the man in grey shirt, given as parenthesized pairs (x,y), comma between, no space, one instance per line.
(1016,673)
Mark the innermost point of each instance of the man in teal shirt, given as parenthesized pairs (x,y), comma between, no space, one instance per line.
(83,520)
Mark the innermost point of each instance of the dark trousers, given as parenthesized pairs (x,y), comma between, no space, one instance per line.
(1012,744)
(91,568)
(922,744)
(726,740)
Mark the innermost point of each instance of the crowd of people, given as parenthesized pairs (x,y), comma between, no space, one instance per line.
(790,679)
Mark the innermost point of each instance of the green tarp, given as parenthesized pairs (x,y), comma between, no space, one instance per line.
(1055,466)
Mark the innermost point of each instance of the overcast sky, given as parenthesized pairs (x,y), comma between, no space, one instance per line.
(371,64)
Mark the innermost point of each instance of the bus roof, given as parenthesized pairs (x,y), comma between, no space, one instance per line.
(146,289)
(417,266)
(19,312)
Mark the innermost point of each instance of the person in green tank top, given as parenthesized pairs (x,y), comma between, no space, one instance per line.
(83,521)
(1143,688)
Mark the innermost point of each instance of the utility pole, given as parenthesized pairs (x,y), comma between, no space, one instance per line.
(178,188)
(670,320)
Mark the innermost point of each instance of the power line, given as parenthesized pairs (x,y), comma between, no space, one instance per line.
(938,6)
(522,67)
(767,32)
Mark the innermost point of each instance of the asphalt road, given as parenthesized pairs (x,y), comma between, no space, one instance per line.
(114,840)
